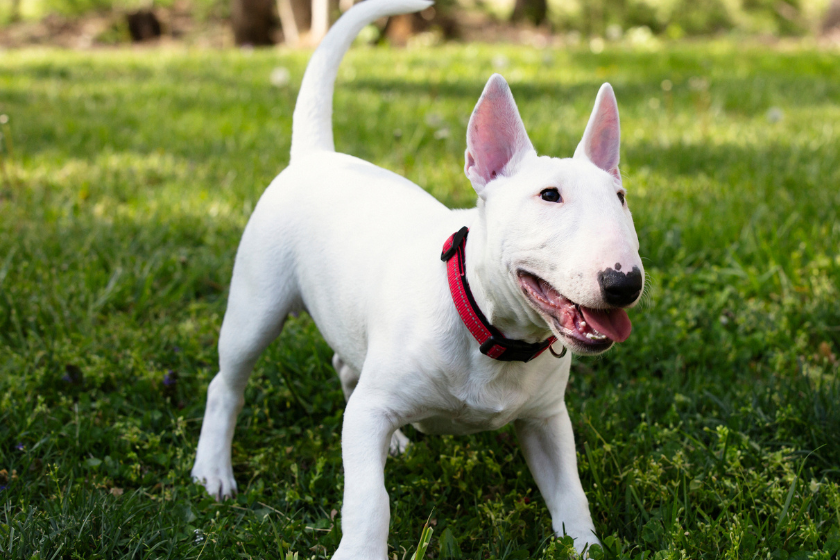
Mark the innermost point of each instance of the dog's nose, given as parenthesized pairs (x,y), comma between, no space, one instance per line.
(618,288)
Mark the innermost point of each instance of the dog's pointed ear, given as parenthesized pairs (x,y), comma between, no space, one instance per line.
(602,137)
(496,137)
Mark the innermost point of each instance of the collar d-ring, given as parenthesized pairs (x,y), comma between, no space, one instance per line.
(555,354)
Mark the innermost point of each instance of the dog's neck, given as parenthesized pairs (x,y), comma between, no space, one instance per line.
(495,291)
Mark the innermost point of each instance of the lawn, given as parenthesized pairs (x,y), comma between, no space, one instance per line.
(714,432)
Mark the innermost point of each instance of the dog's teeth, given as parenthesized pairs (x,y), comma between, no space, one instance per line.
(595,336)
(582,324)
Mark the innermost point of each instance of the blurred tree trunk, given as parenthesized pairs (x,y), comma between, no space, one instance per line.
(320,20)
(143,25)
(832,17)
(303,13)
(15,15)
(400,28)
(291,34)
(534,11)
(295,18)
(253,21)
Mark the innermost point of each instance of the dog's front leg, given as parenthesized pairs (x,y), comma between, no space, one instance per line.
(366,513)
(549,448)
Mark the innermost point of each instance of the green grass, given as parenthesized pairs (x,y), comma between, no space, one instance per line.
(714,432)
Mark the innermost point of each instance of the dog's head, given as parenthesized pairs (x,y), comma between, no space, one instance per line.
(560,228)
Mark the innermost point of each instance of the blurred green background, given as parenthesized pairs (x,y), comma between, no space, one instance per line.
(592,18)
(128,175)
(129,170)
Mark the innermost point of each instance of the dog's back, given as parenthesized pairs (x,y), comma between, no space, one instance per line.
(354,237)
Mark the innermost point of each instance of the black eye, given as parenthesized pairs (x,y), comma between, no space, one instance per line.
(621,197)
(551,195)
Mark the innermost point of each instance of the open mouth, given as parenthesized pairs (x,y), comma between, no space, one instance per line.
(586,330)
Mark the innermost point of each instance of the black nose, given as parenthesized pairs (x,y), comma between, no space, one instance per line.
(620,289)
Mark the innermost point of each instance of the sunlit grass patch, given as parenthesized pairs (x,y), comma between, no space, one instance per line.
(712,431)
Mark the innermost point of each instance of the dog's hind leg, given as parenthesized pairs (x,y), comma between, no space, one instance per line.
(399,443)
(349,379)
(261,296)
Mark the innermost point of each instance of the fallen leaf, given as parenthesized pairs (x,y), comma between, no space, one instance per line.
(825,352)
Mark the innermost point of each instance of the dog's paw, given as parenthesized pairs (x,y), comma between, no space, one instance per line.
(399,443)
(584,546)
(218,482)
(584,539)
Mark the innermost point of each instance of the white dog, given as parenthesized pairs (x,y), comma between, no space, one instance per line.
(452,347)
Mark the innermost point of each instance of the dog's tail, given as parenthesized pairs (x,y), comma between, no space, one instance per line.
(312,121)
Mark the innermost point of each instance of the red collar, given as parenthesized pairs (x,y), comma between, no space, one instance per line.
(493,343)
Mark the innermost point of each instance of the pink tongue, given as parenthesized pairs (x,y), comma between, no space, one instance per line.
(614,323)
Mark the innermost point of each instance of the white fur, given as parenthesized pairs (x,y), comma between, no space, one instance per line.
(358,248)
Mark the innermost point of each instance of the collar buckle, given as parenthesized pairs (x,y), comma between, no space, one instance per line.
(508,350)
(456,241)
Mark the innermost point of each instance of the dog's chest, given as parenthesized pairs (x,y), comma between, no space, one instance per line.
(466,420)
(442,425)
(476,407)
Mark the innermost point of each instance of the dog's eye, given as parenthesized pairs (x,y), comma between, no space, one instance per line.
(551,195)
(621,197)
